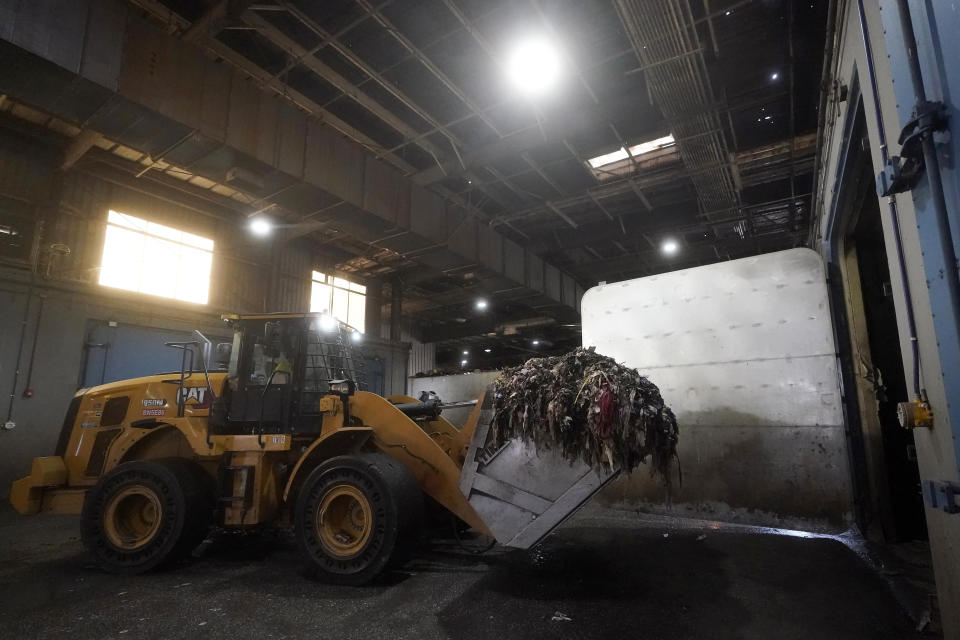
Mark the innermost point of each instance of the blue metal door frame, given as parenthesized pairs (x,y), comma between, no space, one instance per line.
(930,21)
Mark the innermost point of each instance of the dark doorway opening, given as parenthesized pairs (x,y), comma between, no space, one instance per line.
(903,474)
(894,507)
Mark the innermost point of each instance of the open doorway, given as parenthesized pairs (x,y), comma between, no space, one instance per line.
(893,504)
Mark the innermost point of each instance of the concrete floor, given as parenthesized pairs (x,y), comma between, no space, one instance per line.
(612,577)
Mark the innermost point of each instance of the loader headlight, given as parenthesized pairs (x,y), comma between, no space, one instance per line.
(342,387)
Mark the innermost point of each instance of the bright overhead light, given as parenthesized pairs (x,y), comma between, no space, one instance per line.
(669,247)
(356,336)
(463,363)
(535,342)
(328,323)
(534,66)
(774,75)
(486,350)
(481,304)
(465,352)
(261,227)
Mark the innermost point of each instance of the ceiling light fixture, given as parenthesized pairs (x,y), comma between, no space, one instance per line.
(481,304)
(533,66)
(774,75)
(669,247)
(535,342)
(486,350)
(261,227)
(465,352)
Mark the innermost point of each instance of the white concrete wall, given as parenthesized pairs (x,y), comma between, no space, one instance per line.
(465,386)
(743,352)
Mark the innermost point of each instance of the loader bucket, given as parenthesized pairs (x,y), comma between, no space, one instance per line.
(521,493)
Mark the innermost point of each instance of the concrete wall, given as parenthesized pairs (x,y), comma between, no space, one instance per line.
(743,352)
(466,386)
(936,448)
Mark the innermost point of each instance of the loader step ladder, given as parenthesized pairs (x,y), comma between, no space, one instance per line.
(229,485)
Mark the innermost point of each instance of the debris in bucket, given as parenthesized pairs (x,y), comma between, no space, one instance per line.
(589,406)
(560,617)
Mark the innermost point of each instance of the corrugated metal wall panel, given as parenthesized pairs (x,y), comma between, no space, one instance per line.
(463,240)
(150,67)
(103,46)
(423,357)
(267,129)
(215,101)
(239,286)
(244,116)
(534,272)
(428,215)
(513,259)
(296,264)
(334,163)
(551,280)
(568,291)
(53,30)
(386,192)
(23,173)
(491,249)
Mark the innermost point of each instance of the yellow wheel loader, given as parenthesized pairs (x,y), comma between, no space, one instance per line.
(273,429)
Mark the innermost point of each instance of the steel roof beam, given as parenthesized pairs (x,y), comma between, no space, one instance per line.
(292,48)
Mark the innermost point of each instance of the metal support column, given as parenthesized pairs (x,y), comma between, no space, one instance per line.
(373,315)
(396,299)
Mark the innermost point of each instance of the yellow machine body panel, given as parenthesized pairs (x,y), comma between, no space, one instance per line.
(434,464)
(137,418)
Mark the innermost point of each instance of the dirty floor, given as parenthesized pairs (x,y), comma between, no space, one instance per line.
(595,578)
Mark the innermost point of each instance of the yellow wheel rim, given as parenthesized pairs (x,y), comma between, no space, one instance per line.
(343,521)
(132,517)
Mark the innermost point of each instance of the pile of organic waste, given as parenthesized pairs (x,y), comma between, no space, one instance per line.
(588,406)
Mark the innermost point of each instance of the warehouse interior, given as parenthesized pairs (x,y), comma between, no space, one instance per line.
(716,193)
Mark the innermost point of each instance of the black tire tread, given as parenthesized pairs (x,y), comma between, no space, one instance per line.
(189,503)
(402,508)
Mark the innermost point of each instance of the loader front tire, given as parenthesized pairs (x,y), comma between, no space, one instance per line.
(355,514)
(146,513)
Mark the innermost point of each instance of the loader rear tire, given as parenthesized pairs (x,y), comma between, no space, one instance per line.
(355,515)
(146,513)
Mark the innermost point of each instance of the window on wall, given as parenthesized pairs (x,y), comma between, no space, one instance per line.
(344,300)
(152,258)
(16,236)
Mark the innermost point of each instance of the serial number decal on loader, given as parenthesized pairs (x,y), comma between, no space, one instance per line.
(154,402)
(154,412)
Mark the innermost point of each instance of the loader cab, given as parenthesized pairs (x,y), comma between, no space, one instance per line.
(280,367)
